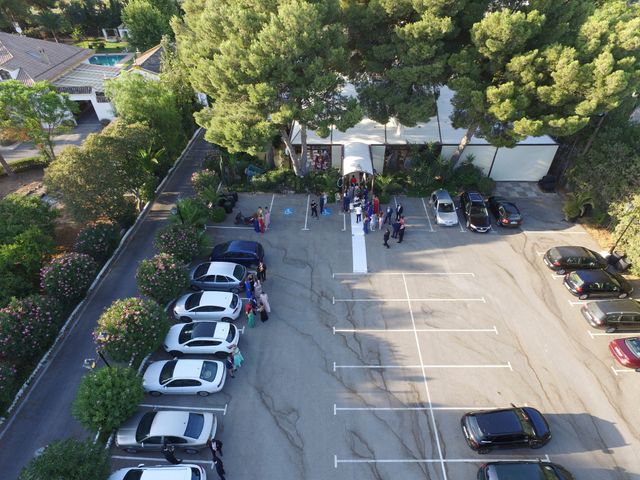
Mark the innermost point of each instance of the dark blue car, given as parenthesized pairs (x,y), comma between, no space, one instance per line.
(523,470)
(244,252)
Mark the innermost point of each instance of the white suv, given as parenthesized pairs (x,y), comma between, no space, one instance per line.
(443,208)
(160,472)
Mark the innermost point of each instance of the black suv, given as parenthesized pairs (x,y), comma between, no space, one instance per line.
(475,212)
(505,428)
(565,259)
(244,252)
(523,470)
(597,283)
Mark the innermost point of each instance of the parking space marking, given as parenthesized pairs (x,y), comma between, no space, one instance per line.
(602,334)
(334,300)
(337,409)
(617,371)
(540,253)
(420,366)
(426,212)
(306,213)
(337,461)
(273,196)
(157,459)
(555,276)
(573,304)
(177,407)
(425,382)
(409,330)
(544,232)
(408,274)
(344,222)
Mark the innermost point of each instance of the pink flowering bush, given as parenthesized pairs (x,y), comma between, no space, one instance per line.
(98,241)
(8,380)
(68,277)
(181,241)
(133,327)
(162,278)
(204,179)
(28,327)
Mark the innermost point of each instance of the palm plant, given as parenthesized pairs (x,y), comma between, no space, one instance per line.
(190,212)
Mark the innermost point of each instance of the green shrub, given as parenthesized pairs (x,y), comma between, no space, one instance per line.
(190,212)
(204,179)
(218,214)
(28,327)
(8,384)
(127,214)
(24,165)
(98,241)
(181,241)
(626,217)
(20,213)
(68,277)
(133,327)
(575,205)
(107,397)
(162,278)
(69,459)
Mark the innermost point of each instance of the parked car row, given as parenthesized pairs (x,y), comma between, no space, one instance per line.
(474,210)
(204,329)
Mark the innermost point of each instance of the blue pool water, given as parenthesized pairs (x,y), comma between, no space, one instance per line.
(109,60)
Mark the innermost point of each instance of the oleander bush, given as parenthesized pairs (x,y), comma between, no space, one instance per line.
(28,327)
(68,277)
(8,378)
(181,241)
(131,329)
(98,241)
(162,278)
(107,397)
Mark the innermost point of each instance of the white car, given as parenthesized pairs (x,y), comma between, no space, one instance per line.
(160,472)
(208,338)
(223,306)
(443,208)
(181,377)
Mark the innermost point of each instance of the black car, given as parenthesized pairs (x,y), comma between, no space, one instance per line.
(505,428)
(523,470)
(244,252)
(565,259)
(506,213)
(475,212)
(597,283)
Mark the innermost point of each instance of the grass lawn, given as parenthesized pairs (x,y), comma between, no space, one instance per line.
(108,47)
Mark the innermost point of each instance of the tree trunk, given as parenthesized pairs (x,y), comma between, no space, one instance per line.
(457,154)
(593,135)
(303,154)
(54,36)
(295,160)
(6,166)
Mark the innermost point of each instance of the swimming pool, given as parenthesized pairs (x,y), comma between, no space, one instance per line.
(107,59)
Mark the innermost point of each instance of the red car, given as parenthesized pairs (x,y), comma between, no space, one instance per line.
(627,351)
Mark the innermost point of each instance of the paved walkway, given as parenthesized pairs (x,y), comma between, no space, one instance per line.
(519,190)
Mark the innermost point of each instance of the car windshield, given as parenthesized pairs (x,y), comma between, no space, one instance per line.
(201,270)
(519,471)
(144,427)
(193,300)
(238,272)
(133,474)
(478,210)
(209,371)
(185,333)
(446,207)
(167,371)
(234,301)
(195,474)
(511,208)
(525,421)
(634,345)
(194,425)
(232,333)
(204,329)
(575,278)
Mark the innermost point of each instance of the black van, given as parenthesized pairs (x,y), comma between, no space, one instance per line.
(613,314)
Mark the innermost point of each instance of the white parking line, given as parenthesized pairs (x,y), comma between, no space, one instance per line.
(156,459)
(409,330)
(337,409)
(426,212)
(178,407)
(540,253)
(602,334)
(273,196)
(543,232)
(555,277)
(617,371)
(573,304)
(420,366)
(306,213)
(344,222)
(337,461)
(408,274)
(481,299)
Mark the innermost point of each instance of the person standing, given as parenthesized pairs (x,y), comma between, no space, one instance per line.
(380,220)
(401,230)
(256,224)
(251,317)
(264,300)
(314,209)
(257,288)
(365,224)
(374,222)
(396,227)
(169,454)
(248,286)
(238,359)
(264,315)
(261,222)
(345,203)
(323,199)
(387,215)
(217,463)
(267,218)
(387,234)
(215,447)
(262,272)
(365,193)
(358,213)
(376,204)
(399,210)
(228,363)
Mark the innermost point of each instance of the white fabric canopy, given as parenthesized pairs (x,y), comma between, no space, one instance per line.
(357,158)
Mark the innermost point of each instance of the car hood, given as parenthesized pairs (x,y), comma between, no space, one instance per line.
(480,220)
(171,340)
(126,435)
(180,304)
(152,374)
(448,217)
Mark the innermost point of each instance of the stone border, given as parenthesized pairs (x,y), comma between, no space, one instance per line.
(73,318)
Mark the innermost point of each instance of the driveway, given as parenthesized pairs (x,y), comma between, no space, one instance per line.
(44,414)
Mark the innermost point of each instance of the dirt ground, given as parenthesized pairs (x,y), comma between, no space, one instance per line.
(31,179)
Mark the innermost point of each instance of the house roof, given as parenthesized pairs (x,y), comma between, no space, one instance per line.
(87,75)
(36,59)
(150,60)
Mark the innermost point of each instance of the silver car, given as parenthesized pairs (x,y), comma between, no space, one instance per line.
(443,208)
(223,306)
(184,377)
(208,338)
(187,431)
(183,471)
(224,276)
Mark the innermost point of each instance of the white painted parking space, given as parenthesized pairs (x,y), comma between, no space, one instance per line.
(422,366)
(358,246)
(347,300)
(406,274)
(223,410)
(554,232)
(337,409)
(337,461)
(494,330)
(618,371)
(426,212)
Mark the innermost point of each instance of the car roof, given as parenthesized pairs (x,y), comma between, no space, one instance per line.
(246,246)
(613,306)
(167,423)
(217,330)
(221,268)
(157,472)
(222,299)
(497,422)
(188,368)
(519,470)
(442,195)
(475,196)
(595,275)
(572,250)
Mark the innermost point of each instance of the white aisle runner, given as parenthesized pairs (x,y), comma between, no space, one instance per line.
(358,246)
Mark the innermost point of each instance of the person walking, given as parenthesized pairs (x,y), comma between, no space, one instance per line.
(264,300)
(401,230)
(387,234)
(262,272)
(365,224)
(358,213)
(323,199)
(169,454)
(228,363)
(396,227)
(267,218)
(215,447)
(399,210)
(218,465)
(314,209)
(264,315)
(387,215)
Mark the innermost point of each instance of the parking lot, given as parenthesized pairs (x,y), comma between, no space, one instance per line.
(359,376)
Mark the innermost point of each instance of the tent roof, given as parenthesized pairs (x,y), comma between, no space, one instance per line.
(357,158)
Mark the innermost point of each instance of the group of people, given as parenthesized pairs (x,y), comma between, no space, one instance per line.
(261,220)
(257,298)
(213,445)
(314,205)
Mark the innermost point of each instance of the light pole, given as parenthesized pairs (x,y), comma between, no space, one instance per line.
(628,209)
